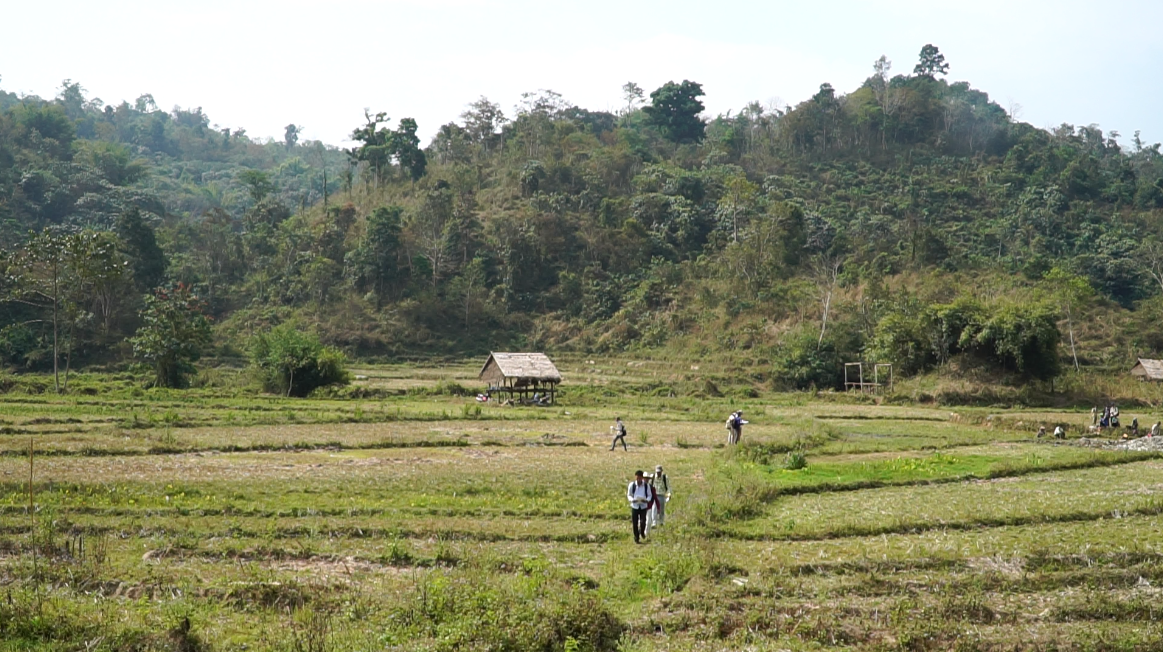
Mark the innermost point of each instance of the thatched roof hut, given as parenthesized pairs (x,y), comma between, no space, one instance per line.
(1148,369)
(521,374)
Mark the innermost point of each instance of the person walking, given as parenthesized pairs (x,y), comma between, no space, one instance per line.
(639,495)
(619,430)
(661,487)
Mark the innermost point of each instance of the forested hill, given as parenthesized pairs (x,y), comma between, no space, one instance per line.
(910,220)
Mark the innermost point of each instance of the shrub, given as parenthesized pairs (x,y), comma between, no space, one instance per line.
(802,361)
(451,388)
(760,452)
(293,362)
(795,461)
(172,335)
(905,338)
(538,613)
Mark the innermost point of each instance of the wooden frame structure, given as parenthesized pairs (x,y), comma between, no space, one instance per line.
(521,375)
(858,383)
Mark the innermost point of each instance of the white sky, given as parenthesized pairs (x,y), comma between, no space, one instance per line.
(261,64)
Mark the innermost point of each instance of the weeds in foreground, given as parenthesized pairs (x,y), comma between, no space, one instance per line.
(539,611)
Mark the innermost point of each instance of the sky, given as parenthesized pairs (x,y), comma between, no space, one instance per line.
(262,64)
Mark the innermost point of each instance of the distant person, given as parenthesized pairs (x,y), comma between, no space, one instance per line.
(1094,416)
(661,494)
(639,494)
(1059,432)
(735,425)
(1041,432)
(1135,426)
(619,430)
(1154,430)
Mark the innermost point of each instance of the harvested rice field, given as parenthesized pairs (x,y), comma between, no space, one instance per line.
(423,520)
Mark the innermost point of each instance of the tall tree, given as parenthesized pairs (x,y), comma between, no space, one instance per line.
(374,263)
(737,201)
(258,184)
(888,98)
(826,273)
(931,62)
(38,278)
(469,288)
(633,95)
(376,149)
(675,108)
(406,148)
(483,120)
(56,273)
(434,231)
(1070,292)
(146,258)
(291,135)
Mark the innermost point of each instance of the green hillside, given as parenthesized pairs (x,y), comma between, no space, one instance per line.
(910,220)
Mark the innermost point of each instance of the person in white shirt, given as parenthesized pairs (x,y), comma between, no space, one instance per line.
(639,494)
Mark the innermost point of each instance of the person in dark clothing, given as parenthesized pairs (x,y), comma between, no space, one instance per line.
(619,430)
(639,494)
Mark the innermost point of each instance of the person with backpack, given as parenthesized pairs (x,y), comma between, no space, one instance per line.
(661,485)
(735,427)
(639,493)
(619,430)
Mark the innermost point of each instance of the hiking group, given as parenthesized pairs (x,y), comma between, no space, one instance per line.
(647,493)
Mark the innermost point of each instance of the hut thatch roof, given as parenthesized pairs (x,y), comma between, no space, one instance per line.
(520,369)
(1148,369)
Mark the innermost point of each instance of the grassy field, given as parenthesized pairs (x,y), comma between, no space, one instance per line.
(402,516)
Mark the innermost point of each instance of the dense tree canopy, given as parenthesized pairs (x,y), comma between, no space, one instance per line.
(910,219)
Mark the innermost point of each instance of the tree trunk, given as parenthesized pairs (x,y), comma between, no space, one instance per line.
(68,359)
(55,348)
(824,324)
(1070,328)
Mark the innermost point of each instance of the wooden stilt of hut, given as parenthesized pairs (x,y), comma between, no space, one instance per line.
(521,375)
